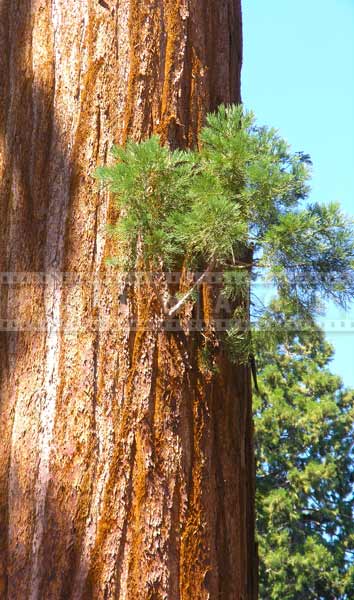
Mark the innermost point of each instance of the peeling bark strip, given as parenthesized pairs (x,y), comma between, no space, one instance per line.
(126,471)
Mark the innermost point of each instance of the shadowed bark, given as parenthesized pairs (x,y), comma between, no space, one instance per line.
(126,470)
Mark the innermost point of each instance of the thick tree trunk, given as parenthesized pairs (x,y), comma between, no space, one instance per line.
(126,470)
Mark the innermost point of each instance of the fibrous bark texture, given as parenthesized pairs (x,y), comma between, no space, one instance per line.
(126,469)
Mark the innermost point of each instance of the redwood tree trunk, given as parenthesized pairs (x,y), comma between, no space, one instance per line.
(126,471)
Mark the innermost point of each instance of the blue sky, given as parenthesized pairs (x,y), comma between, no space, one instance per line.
(298,76)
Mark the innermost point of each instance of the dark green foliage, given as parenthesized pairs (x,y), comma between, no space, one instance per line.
(305,494)
(206,360)
(234,205)
(236,285)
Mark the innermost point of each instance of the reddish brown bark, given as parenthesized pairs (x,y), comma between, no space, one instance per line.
(126,470)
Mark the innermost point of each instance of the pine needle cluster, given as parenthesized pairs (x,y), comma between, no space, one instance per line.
(237,203)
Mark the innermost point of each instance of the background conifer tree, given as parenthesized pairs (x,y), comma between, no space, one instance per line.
(305,466)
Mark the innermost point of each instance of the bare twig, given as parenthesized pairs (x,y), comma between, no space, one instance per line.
(184,299)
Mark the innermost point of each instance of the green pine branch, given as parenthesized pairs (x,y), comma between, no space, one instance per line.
(242,193)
